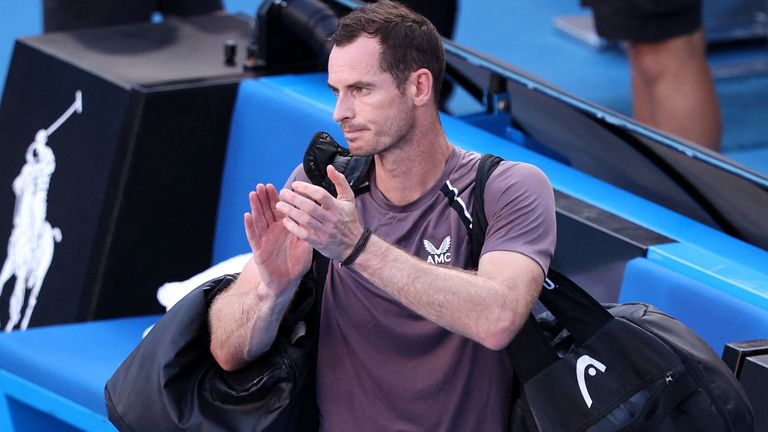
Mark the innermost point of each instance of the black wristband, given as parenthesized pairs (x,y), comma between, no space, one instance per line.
(361,242)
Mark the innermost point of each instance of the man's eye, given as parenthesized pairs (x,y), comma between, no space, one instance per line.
(361,90)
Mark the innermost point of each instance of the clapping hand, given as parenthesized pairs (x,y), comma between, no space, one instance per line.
(328,224)
(281,257)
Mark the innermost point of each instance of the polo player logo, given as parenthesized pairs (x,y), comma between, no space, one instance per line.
(438,255)
(31,245)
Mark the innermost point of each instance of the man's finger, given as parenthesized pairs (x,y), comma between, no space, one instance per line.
(342,187)
(264,202)
(306,202)
(297,230)
(312,192)
(259,223)
(301,218)
(250,231)
(273,200)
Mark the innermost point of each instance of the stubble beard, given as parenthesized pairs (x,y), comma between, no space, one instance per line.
(390,138)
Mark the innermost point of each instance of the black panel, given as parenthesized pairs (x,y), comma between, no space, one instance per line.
(84,147)
(593,246)
(734,353)
(754,379)
(163,229)
(136,183)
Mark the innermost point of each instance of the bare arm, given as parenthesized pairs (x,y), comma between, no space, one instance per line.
(488,306)
(244,319)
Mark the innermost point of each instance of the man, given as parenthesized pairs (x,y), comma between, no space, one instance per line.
(408,339)
(672,89)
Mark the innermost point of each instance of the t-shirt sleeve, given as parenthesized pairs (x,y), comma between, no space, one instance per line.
(298,174)
(520,208)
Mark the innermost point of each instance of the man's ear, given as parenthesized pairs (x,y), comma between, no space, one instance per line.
(421,82)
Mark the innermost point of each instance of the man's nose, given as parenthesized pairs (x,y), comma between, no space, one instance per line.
(343,109)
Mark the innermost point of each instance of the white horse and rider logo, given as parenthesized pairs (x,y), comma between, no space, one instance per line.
(30,247)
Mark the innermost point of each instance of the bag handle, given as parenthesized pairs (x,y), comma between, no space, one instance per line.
(575,308)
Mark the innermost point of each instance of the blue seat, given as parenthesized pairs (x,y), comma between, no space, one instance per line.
(52,378)
(715,315)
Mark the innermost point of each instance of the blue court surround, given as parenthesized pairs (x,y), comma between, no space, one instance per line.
(715,314)
(61,371)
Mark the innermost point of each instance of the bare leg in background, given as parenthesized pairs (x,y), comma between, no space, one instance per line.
(672,88)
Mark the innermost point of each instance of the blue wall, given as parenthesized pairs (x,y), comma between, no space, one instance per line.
(17,18)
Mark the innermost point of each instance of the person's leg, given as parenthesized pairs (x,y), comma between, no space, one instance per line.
(673,90)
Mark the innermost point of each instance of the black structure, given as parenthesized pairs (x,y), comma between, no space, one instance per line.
(137,171)
(753,378)
(594,246)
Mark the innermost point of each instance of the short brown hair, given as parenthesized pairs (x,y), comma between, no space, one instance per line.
(409,41)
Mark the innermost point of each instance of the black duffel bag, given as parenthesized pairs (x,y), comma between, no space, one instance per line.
(584,366)
(171,382)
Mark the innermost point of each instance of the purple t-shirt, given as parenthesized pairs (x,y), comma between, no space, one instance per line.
(382,366)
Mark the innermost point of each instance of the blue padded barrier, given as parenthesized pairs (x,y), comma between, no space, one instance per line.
(742,280)
(61,371)
(275,117)
(27,407)
(714,314)
(271,126)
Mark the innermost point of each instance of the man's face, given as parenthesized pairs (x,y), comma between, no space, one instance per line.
(374,115)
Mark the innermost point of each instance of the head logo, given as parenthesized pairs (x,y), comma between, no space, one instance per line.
(548,284)
(586,364)
(438,255)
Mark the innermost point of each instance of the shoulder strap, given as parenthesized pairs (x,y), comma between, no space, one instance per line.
(529,351)
(475,222)
(581,314)
(486,167)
